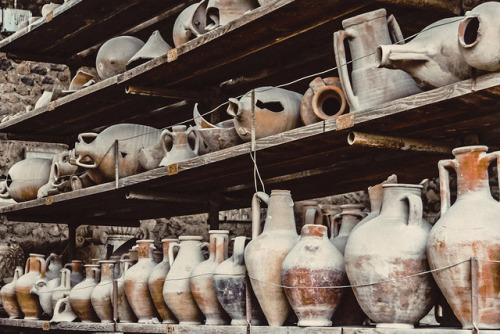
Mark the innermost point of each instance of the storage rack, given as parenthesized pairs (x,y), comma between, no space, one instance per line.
(270,45)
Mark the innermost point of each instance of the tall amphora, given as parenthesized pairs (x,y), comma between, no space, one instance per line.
(264,255)
(470,228)
(79,296)
(29,303)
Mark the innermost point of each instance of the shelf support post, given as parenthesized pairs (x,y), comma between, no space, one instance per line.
(213,214)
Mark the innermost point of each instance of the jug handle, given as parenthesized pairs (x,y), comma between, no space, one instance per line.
(163,139)
(171,248)
(340,58)
(86,135)
(27,266)
(4,193)
(395,30)
(97,274)
(415,209)
(205,245)
(239,250)
(197,139)
(256,211)
(79,162)
(18,272)
(42,267)
(334,225)
(444,182)
(490,157)
(311,214)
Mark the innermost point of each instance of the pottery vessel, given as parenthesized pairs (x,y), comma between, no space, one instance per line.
(179,142)
(176,290)
(347,219)
(8,294)
(478,35)
(151,156)
(114,54)
(48,8)
(81,80)
(136,283)
(63,289)
(76,267)
(276,110)
(432,58)
(221,12)
(96,152)
(55,182)
(54,266)
(312,265)
(190,23)
(84,181)
(390,250)
(26,177)
(201,279)
(370,86)
(103,292)
(154,47)
(324,99)
(230,284)
(44,289)
(123,308)
(156,281)
(468,229)
(81,293)
(267,250)
(28,302)
(63,312)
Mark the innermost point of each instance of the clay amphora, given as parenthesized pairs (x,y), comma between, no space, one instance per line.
(29,303)
(63,312)
(154,47)
(323,100)
(370,86)
(44,289)
(26,177)
(56,182)
(201,279)
(311,213)
(103,292)
(123,309)
(348,218)
(190,23)
(136,282)
(221,12)
(63,289)
(391,247)
(468,229)
(276,110)
(312,264)
(156,281)
(54,266)
(114,54)
(80,295)
(432,58)
(76,267)
(478,37)
(97,151)
(267,250)
(176,290)
(8,294)
(230,283)
(179,140)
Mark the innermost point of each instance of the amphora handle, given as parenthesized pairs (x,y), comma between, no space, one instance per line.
(395,30)
(490,157)
(444,182)
(313,215)
(239,250)
(171,257)
(191,134)
(256,211)
(415,209)
(340,58)
(164,134)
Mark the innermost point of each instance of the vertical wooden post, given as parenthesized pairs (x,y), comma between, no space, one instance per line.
(71,241)
(474,275)
(213,214)
(117,157)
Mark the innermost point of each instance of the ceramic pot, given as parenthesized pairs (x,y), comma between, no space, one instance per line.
(54,266)
(313,264)
(468,229)
(190,23)
(180,149)
(49,8)
(8,294)
(156,281)
(136,283)
(76,267)
(176,290)
(478,37)
(201,279)
(81,293)
(114,54)
(432,58)
(276,110)
(311,213)
(103,292)
(370,86)
(97,151)
(123,309)
(221,12)
(154,47)
(230,284)
(391,247)
(81,80)
(63,289)
(44,289)
(28,302)
(26,177)
(264,255)
(57,181)
(84,181)
(324,99)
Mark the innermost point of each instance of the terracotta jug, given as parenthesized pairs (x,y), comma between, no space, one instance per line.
(176,290)
(468,229)
(63,289)
(221,12)
(478,37)
(29,303)
(267,250)
(156,282)
(276,110)
(8,294)
(26,177)
(114,54)
(54,266)
(136,283)
(80,295)
(348,218)
(201,279)
(313,264)
(123,309)
(44,289)
(391,247)
(370,86)
(190,23)
(230,284)
(103,292)
(181,150)
(323,100)
(96,152)
(432,58)
(76,267)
